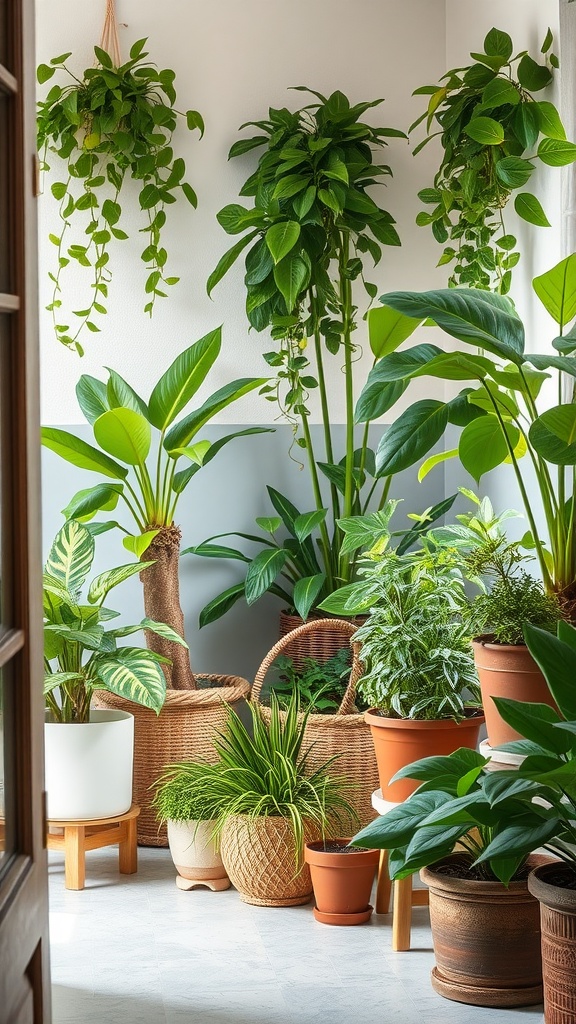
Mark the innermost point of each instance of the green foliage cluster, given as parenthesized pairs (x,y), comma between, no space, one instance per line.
(264,772)
(493,132)
(176,799)
(499,817)
(110,124)
(512,601)
(320,685)
(80,654)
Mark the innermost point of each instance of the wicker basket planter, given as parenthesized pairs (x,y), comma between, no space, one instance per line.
(183,730)
(344,733)
(320,644)
(260,858)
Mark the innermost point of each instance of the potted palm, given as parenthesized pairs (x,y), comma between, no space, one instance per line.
(89,752)
(419,677)
(190,825)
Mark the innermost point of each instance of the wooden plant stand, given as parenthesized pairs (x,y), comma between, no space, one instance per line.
(405,897)
(76,837)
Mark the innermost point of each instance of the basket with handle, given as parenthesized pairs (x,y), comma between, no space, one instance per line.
(344,733)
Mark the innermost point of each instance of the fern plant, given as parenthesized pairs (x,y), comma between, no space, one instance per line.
(320,685)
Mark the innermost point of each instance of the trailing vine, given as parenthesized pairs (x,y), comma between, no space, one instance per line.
(492,131)
(111,124)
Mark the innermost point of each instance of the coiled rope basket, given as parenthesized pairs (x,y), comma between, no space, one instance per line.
(183,731)
(344,733)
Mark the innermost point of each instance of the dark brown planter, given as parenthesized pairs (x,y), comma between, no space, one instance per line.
(342,881)
(399,741)
(558,923)
(486,940)
(506,671)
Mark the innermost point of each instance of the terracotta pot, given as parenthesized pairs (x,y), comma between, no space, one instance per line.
(486,940)
(194,852)
(399,741)
(260,858)
(506,671)
(342,881)
(558,923)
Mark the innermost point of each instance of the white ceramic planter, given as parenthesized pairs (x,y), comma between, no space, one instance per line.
(89,766)
(193,851)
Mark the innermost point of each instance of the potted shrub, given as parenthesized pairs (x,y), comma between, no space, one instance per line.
(311,224)
(419,677)
(342,878)
(89,752)
(190,827)
(267,801)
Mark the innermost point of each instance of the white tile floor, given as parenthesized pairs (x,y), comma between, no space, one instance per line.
(136,950)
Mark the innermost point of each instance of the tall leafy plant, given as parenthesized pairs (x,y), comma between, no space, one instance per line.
(147,480)
(307,232)
(107,126)
(493,133)
(499,414)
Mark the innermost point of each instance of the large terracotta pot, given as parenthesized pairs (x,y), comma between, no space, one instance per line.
(558,923)
(399,741)
(486,940)
(506,671)
(342,878)
(260,858)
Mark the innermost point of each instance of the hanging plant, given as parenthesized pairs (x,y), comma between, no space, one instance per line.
(492,132)
(113,123)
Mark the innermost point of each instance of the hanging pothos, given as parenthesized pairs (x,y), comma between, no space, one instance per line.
(110,124)
(492,131)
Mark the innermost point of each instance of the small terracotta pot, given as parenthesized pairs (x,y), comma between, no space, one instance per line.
(486,940)
(507,671)
(558,923)
(399,741)
(342,881)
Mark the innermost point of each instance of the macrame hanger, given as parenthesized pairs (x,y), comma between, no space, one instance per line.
(110,41)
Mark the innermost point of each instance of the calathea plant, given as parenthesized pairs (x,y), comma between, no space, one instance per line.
(499,414)
(493,132)
(109,125)
(307,232)
(147,480)
(81,655)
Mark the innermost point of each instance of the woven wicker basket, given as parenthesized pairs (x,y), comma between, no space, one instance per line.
(183,731)
(259,855)
(320,644)
(344,733)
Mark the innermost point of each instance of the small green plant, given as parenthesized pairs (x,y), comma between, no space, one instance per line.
(320,685)
(109,125)
(176,799)
(80,654)
(512,601)
(489,126)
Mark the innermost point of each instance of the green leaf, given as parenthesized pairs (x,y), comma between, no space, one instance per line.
(285,509)
(101,585)
(121,395)
(377,398)
(553,435)
(529,208)
(71,555)
(557,152)
(435,460)
(182,379)
(306,523)
(478,318)
(366,531)
(556,290)
(281,238)
(535,722)
(498,44)
(411,436)
(269,523)
(125,434)
(485,130)
(180,435)
(513,171)
(483,445)
(291,276)
(195,120)
(531,75)
(44,72)
(387,329)
(262,572)
(526,123)
(131,673)
(404,364)
(228,260)
(549,121)
(92,397)
(140,542)
(306,591)
(196,452)
(221,604)
(499,92)
(101,497)
(81,454)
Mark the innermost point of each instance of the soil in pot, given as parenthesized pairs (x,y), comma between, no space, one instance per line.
(554,885)
(507,671)
(342,877)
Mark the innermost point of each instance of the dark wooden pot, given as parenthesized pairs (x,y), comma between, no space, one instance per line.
(558,923)
(486,939)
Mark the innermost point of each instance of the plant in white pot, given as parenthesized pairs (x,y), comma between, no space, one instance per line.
(189,815)
(89,752)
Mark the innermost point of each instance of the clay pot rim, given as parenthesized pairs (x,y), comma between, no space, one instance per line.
(332,858)
(475,886)
(555,897)
(374,718)
(487,640)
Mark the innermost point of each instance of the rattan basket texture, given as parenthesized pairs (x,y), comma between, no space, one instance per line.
(259,855)
(345,733)
(320,644)
(183,731)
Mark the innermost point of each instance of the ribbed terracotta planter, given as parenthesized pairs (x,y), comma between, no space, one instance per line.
(399,741)
(486,940)
(259,855)
(506,671)
(558,923)
(342,881)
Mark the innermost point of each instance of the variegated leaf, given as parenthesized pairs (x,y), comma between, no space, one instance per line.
(71,556)
(133,675)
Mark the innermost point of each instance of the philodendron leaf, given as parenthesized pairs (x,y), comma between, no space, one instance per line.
(88,501)
(411,436)
(291,276)
(485,130)
(140,542)
(121,395)
(103,583)
(71,555)
(387,329)
(182,379)
(228,260)
(81,454)
(556,289)
(281,238)
(125,434)
(553,435)
(306,591)
(262,572)
(160,628)
(484,445)
(180,435)
(131,673)
(529,208)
